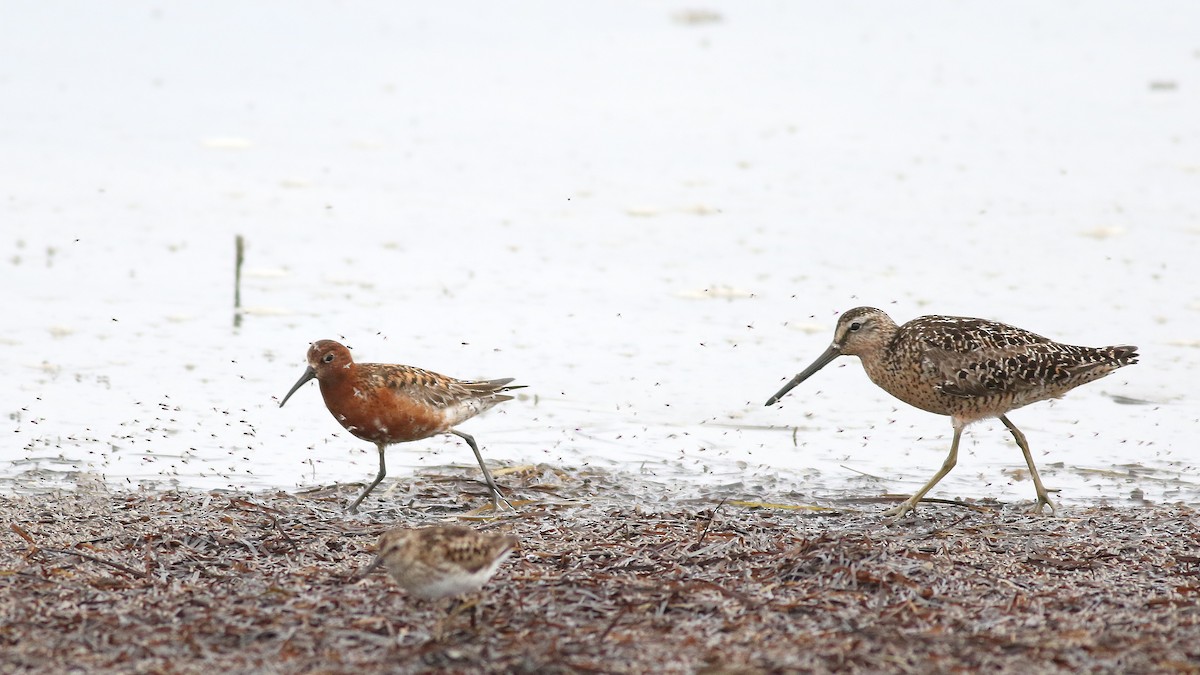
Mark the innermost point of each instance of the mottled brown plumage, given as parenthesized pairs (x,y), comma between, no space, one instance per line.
(969,369)
(389,403)
(441,561)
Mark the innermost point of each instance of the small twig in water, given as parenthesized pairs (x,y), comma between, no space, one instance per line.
(861,473)
(239,258)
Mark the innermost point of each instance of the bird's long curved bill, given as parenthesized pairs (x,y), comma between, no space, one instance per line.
(309,374)
(823,360)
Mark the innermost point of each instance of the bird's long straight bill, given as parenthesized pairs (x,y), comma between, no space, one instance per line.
(368,569)
(823,360)
(309,374)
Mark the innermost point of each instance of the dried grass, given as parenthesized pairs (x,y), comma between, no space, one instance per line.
(194,582)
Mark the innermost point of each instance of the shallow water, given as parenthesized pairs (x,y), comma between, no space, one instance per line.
(651,217)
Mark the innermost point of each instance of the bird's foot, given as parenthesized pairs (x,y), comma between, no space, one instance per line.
(1043,500)
(906,507)
(500,502)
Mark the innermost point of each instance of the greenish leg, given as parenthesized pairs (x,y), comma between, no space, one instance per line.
(951,459)
(1042,495)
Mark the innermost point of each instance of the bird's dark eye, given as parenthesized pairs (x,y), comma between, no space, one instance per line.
(855,326)
(328,358)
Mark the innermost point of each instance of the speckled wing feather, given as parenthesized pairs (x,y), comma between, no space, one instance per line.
(437,391)
(977,358)
(468,549)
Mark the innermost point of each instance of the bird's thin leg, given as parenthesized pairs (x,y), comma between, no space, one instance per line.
(911,503)
(1042,495)
(378,479)
(447,609)
(439,628)
(487,475)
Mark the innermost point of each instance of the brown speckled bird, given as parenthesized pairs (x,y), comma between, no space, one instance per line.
(441,561)
(969,369)
(387,403)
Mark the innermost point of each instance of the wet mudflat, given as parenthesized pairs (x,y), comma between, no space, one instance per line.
(605,581)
